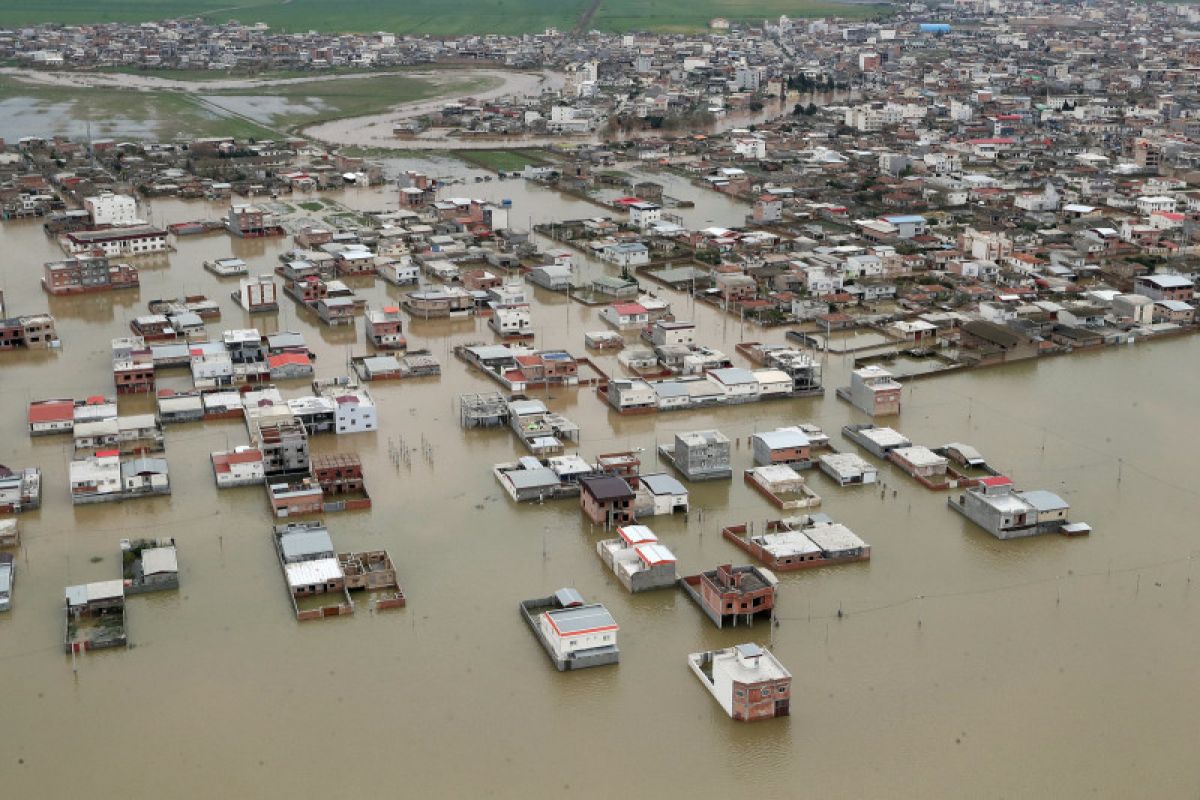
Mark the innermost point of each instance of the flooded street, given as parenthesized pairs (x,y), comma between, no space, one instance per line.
(949,665)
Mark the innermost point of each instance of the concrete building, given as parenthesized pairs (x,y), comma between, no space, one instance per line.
(257,295)
(799,543)
(86,273)
(385,329)
(997,507)
(242,466)
(848,469)
(607,500)
(95,479)
(747,681)
(20,489)
(1165,287)
(659,493)
(311,567)
(575,635)
(873,391)
(700,455)
(782,446)
(140,240)
(732,595)
(640,562)
(110,210)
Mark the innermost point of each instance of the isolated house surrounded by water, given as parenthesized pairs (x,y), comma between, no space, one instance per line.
(748,681)
(800,543)
(95,614)
(999,509)
(873,391)
(638,559)
(729,595)
(574,634)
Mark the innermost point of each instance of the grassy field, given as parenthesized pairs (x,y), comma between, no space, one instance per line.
(502,160)
(429,16)
(686,16)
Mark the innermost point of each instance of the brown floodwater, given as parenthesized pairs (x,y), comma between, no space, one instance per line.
(958,666)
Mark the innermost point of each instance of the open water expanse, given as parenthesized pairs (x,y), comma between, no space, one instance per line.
(958,666)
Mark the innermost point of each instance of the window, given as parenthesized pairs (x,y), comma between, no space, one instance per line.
(766,692)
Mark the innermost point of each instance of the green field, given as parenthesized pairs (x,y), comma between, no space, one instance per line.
(429,16)
(29,109)
(685,16)
(502,160)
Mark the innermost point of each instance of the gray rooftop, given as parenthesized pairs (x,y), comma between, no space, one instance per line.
(581,618)
(305,543)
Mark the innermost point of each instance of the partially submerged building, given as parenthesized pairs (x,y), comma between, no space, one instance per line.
(877,441)
(149,565)
(574,634)
(873,391)
(730,595)
(640,562)
(607,500)
(95,616)
(20,489)
(848,469)
(748,681)
(311,569)
(782,486)
(996,506)
(699,455)
(799,543)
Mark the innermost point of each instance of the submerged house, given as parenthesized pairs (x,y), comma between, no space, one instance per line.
(997,507)
(729,595)
(748,681)
(799,543)
(20,490)
(574,634)
(788,446)
(607,500)
(95,614)
(149,565)
(848,469)
(873,391)
(638,559)
(699,455)
(311,567)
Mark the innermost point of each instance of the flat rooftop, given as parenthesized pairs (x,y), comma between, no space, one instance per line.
(581,619)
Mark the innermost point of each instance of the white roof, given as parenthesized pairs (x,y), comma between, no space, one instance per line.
(654,554)
(885,437)
(847,463)
(637,534)
(787,543)
(307,573)
(783,438)
(919,456)
(834,537)
(777,473)
(768,376)
(156,560)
